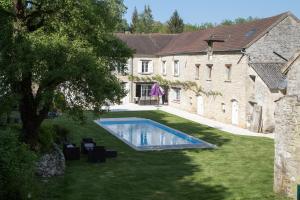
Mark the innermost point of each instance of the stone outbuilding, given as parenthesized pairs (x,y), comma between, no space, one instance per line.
(287,132)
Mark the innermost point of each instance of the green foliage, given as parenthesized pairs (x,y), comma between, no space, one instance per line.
(144,22)
(123,26)
(226,173)
(186,85)
(17,179)
(50,134)
(134,21)
(175,24)
(61,46)
(239,20)
(47,136)
(61,134)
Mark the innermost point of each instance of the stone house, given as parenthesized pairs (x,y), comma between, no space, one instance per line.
(243,62)
(287,132)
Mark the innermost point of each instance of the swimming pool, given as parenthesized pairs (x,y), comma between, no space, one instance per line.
(145,134)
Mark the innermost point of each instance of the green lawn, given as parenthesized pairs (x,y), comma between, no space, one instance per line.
(240,168)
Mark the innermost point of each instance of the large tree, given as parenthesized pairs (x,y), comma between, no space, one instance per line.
(59,52)
(134,21)
(145,21)
(175,24)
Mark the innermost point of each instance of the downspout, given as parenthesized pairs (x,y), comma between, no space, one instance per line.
(131,81)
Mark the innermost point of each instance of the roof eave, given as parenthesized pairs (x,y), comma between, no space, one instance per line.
(198,52)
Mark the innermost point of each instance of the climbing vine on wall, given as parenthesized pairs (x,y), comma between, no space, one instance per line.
(186,85)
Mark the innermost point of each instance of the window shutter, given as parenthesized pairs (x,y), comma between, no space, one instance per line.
(139,67)
(150,67)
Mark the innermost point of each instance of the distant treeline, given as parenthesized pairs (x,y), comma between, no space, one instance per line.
(144,23)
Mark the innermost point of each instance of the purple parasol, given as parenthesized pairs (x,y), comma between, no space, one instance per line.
(156,90)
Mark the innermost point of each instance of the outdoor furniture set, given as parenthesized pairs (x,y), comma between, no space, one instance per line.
(88,147)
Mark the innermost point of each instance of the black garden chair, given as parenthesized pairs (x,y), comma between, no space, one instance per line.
(98,154)
(71,152)
(87,144)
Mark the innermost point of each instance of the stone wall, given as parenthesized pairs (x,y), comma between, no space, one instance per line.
(283,39)
(287,146)
(259,93)
(287,135)
(293,77)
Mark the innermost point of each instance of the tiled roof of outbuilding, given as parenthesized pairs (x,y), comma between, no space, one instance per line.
(270,73)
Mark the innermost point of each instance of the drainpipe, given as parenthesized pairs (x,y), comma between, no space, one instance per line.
(131,81)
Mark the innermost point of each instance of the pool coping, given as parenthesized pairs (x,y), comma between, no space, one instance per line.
(203,145)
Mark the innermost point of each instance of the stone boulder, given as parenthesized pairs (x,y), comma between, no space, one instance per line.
(51,164)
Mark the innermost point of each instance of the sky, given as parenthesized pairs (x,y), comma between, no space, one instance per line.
(215,11)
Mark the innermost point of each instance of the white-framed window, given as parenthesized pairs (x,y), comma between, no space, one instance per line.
(176,68)
(209,71)
(164,67)
(176,94)
(197,72)
(145,90)
(228,72)
(145,67)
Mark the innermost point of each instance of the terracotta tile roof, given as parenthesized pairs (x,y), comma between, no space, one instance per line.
(227,38)
(146,44)
(236,37)
(270,73)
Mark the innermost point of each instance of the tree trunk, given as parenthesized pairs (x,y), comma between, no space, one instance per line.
(30,123)
(31,116)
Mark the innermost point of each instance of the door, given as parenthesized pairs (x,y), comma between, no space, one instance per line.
(200,105)
(235,112)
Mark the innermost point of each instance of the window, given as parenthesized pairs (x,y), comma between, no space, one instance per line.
(176,94)
(209,71)
(145,66)
(145,90)
(164,68)
(252,77)
(228,72)
(197,72)
(176,68)
(223,107)
(251,32)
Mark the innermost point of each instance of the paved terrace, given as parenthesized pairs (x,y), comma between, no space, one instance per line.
(190,116)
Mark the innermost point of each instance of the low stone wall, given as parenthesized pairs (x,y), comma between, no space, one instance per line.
(51,164)
(287,146)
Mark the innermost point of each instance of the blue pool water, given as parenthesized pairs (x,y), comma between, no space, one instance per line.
(144,134)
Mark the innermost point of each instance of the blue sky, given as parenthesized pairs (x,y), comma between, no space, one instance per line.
(199,11)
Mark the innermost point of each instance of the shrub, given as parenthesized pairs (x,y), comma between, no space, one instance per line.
(50,134)
(46,138)
(17,166)
(62,134)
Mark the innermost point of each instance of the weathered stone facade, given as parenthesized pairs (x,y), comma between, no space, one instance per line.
(287,146)
(239,92)
(287,135)
(282,39)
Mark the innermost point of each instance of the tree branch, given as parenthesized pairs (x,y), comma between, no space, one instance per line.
(2,10)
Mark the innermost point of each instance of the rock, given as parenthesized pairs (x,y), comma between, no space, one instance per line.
(51,164)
